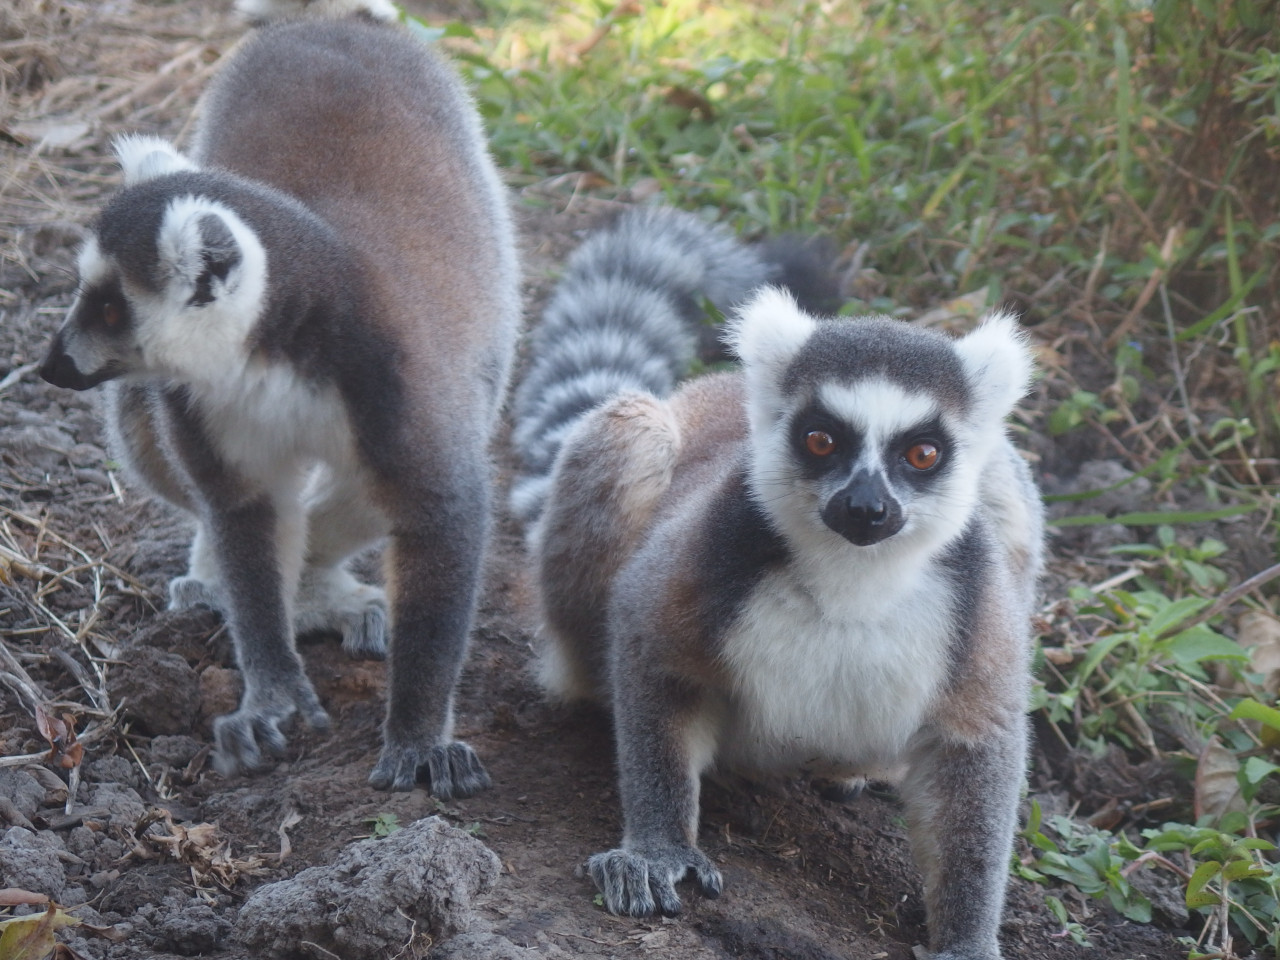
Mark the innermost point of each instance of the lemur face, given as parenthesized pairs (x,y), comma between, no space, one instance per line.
(170,283)
(95,343)
(870,428)
(873,456)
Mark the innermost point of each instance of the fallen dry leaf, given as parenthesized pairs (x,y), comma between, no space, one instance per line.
(60,732)
(13,897)
(1217,787)
(32,938)
(1259,633)
(200,847)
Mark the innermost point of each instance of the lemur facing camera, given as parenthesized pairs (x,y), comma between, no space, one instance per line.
(825,562)
(308,326)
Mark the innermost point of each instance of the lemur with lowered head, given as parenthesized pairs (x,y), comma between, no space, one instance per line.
(307,326)
(825,562)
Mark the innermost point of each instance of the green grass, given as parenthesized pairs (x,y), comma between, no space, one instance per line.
(1110,167)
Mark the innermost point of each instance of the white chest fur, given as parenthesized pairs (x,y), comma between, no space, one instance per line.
(267,416)
(841,682)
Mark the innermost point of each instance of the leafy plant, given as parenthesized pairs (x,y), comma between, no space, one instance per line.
(1090,860)
(382,825)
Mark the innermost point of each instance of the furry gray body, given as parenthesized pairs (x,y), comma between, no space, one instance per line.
(311,325)
(737,605)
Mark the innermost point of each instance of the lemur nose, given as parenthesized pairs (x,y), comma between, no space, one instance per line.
(873,514)
(865,511)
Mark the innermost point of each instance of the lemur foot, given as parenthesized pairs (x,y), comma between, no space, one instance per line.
(638,884)
(332,599)
(187,592)
(449,771)
(241,736)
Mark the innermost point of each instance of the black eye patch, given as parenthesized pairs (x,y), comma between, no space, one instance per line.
(821,442)
(105,310)
(921,454)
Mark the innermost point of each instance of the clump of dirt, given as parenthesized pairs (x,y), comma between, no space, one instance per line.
(418,883)
(127,824)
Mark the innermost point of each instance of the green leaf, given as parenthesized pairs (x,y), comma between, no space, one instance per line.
(1098,651)
(1253,710)
(1197,894)
(1256,769)
(1242,869)
(1057,909)
(1254,843)
(1034,818)
(1154,518)
(1197,644)
(1175,613)
(1137,909)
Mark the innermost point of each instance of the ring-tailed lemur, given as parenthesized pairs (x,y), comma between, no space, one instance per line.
(309,323)
(824,562)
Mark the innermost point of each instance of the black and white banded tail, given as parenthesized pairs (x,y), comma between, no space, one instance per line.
(626,315)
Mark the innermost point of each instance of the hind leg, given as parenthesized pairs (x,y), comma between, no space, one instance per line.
(200,586)
(341,521)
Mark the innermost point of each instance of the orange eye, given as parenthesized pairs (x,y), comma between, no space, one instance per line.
(922,456)
(110,314)
(819,442)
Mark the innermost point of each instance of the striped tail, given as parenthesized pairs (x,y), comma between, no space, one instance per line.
(625,316)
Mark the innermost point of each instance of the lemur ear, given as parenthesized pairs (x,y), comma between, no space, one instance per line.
(142,158)
(198,247)
(997,362)
(769,330)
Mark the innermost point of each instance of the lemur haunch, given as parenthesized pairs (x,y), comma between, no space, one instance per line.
(825,562)
(308,324)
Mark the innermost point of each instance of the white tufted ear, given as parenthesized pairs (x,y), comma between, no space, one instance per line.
(143,157)
(769,330)
(202,246)
(767,333)
(212,273)
(997,362)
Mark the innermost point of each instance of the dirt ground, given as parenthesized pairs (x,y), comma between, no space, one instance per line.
(87,560)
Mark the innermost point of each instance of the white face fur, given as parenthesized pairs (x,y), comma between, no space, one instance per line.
(192,324)
(877,463)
